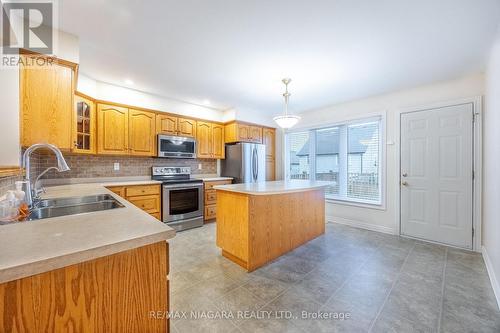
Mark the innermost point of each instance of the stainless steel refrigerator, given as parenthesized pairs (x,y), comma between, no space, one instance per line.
(245,162)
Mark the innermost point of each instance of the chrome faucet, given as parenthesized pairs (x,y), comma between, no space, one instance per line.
(31,192)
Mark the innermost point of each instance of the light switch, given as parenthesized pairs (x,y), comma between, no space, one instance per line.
(116,166)
(199,166)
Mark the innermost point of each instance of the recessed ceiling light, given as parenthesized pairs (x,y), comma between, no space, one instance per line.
(129,82)
(206,102)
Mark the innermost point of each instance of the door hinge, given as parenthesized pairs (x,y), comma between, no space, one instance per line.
(474,116)
(473,232)
(473,175)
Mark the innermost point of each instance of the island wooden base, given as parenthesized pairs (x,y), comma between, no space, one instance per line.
(116,293)
(252,230)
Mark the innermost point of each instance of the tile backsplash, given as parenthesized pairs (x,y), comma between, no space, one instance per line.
(92,166)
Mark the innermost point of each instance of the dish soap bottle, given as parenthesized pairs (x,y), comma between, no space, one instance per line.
(20,195)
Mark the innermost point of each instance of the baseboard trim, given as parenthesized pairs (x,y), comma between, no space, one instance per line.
(491,273)
(361,225)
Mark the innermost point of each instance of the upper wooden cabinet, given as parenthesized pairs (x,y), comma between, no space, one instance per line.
(186,127)
(210,140)
(112,130)
(239,132)
(204,139)
(171,125)
(218,148)
(166,124)
(142,134)
(269,139)
(46,100)
(84,126)
(256,134)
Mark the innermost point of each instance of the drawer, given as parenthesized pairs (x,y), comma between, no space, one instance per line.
(120,190)
(131,191)
(210,185)
(210,212)
(148,203)
(156,215)
(210,197)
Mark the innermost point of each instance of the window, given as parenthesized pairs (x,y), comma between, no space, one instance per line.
(299,155)
(327,157)
(347,154)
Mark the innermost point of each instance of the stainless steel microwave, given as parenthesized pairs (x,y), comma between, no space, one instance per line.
(176,146)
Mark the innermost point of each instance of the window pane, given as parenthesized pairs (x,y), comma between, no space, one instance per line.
(327,157)
(299,155)
(363,161)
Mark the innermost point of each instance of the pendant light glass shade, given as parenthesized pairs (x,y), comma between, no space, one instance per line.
(286,120)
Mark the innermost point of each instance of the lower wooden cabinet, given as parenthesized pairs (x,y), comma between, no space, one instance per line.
(146,197)
(211,198)
(115,293)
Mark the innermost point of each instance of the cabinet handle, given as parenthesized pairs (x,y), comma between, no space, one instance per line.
(76,144)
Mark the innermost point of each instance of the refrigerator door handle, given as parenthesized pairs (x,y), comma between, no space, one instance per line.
(254,164)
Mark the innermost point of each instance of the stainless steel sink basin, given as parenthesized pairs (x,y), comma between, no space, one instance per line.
(72,201)
(70,206)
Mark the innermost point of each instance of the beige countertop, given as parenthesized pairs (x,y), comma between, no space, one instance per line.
(274,187)
(212,178)
(33,247)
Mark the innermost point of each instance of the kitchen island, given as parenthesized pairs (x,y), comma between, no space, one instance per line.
(103,271)
(258,222)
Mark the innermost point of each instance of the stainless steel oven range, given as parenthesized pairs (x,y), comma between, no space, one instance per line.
(182,197)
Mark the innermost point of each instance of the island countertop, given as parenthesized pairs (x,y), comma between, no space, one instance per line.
(274,187)
(33,247)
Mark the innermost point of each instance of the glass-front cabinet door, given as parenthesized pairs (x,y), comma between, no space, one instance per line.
(84,131)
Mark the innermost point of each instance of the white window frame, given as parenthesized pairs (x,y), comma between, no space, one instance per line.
(379,116)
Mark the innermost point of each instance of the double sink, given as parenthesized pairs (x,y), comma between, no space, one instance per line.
(73,205)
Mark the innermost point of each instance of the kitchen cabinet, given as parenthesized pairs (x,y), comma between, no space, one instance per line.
(113,293)
(255,134)
(84,125)
(269,139)
(203,139)
(112,130)
(171,125)
(142,134)
(146,197)
(211,198)
(46,100)
(166,124)
(186,127)
(210,140)
(218,148)
(240,132)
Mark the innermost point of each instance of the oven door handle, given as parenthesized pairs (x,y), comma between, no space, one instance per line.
(182,186)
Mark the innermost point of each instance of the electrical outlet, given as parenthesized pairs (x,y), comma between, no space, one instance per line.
(199,166)
(116,166)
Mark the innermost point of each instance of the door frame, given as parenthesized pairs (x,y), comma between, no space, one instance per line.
(476,102)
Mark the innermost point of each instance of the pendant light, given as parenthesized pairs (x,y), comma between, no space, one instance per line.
(286,120)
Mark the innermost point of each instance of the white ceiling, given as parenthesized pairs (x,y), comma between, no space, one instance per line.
(235,52)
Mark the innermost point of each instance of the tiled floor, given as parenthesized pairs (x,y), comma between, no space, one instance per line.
(378,282)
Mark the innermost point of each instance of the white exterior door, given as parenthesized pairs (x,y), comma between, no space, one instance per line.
(436,175)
